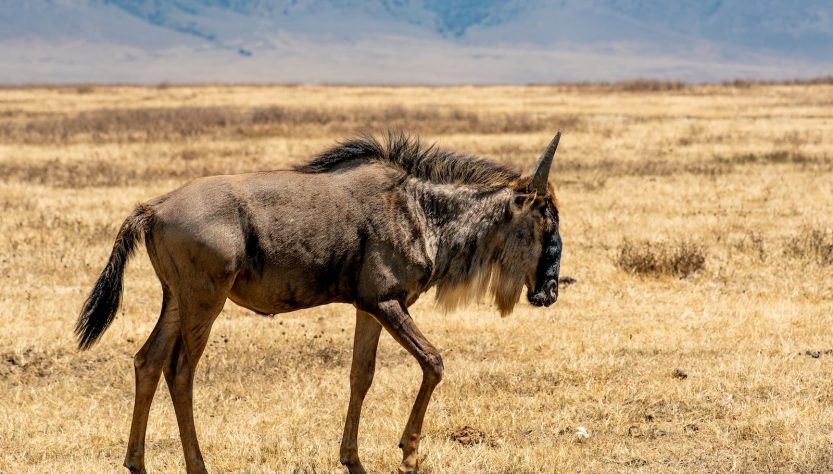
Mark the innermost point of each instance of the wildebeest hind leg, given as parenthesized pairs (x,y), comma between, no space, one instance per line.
(148,364)
(361,376)
(199,308)
(395,318)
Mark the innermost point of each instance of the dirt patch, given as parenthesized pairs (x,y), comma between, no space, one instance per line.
(636,463)
(817,354)
(527,383)
(470,436)
(30,365)
(650,432)
(30,362)
(679,374)
(331,357)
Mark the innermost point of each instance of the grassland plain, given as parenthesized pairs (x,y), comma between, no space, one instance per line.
(697,337)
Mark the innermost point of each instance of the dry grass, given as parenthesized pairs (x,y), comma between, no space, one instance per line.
(680,259)
(151,124)
(743,170)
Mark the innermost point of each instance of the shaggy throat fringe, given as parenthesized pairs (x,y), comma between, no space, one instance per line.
(505,287)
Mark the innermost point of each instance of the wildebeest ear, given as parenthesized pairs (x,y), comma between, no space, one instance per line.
(522,201)
(541,171)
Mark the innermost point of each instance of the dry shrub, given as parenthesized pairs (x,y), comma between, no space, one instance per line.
(772,157)
(751,243)
(647,85)
(679,259)
(740,83)
(827,80)
(747,83)
(812,244)
(633,85)
(795,139)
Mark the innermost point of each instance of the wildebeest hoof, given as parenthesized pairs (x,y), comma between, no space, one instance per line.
(353,467)
(134,468)
(407,470)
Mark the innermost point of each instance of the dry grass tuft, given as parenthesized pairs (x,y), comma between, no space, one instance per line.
(812,244)
(680,259)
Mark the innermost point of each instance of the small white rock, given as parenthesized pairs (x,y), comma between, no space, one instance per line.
(582,434)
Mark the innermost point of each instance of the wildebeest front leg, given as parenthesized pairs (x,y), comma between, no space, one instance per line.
(395,318)
(361,376)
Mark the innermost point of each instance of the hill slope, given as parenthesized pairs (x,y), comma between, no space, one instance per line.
(430,41)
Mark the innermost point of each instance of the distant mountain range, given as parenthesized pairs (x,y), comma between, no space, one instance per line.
(412,41)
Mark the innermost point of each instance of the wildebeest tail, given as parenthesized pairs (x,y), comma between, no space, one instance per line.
(100,308)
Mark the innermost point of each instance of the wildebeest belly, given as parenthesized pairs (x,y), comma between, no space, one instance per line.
(281,296)
(293,274)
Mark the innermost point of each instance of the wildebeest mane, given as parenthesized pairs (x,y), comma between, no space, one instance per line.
(410,155)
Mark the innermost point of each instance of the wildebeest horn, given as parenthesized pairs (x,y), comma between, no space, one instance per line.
(541,171)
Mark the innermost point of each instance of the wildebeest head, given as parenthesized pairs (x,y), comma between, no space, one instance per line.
(535,214)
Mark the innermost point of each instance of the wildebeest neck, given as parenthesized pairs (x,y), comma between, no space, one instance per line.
(464,235)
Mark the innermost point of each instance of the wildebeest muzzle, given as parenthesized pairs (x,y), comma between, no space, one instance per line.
(545,291)
(546,296)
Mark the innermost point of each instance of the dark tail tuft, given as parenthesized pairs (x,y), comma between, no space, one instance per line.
(100,308)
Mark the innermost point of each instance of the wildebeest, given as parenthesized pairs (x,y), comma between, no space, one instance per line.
(374,224)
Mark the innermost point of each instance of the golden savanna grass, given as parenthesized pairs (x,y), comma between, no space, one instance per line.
(697,336)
